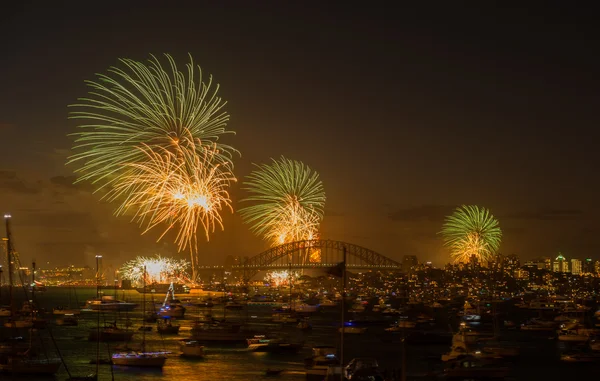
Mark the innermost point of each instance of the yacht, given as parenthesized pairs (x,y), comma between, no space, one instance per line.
(350,329)
(573,335)
(110,332)
(23,365)
(65,311)
(261,343)
(109,303)
(305,308)
(191,348)
(5,312)
(166,327)
(67,320)
(140,359)
(219,333)
(590,357)
(361,368)
(475,367)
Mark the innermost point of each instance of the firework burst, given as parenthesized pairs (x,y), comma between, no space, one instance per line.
(158,270)
(287,199)
(143,104)
(179,189)
(148,140)
(281,278)
(471,232)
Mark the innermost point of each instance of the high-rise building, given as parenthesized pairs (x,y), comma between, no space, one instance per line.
(560,264)
(597,267)
(587,267)
(576,266)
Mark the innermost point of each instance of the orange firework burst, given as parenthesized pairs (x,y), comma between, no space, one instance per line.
(182,188)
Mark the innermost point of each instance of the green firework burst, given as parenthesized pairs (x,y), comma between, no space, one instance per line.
(143,104)
(471,231)
(287,201)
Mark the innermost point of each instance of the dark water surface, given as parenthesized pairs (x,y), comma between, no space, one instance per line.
(539,358)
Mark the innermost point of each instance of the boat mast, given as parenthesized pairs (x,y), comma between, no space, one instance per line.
(9,253)
(98,314)
(144,308)
(343,313)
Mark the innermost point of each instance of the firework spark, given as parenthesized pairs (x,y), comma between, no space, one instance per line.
(181,190)
(471,232)
(143,104)
(148,140)
(281,278)
(287,202)
(158,270)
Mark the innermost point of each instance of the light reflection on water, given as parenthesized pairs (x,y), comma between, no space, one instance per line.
(539,358)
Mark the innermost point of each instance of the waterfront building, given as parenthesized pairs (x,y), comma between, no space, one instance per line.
(560,264)
(587,267)
(576,266)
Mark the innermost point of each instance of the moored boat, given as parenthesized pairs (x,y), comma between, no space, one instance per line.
(191,348)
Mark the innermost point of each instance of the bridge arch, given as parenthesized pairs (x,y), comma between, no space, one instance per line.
(294,254)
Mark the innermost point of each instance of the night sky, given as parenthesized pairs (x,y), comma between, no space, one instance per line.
(406,113)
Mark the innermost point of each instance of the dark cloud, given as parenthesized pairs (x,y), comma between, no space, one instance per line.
(547,215)
(6,126)
(425,212)
(11,183)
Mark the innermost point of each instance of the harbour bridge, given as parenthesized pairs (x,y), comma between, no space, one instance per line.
(315,254)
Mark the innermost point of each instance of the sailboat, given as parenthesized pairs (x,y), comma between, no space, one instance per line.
(61,310)
(171,307)
(13,361)
(141,358)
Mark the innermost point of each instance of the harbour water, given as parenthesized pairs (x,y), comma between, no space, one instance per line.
(539,352)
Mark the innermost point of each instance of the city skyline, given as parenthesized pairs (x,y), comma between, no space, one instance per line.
(404,122)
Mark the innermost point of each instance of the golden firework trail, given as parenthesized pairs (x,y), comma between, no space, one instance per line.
(177,188)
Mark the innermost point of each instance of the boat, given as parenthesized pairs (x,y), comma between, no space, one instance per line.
(361,368)
(165,327)
(140,358)
(110,332)
(67,320)
(573,335)
(273,372)
(191,348)
(13,361)
(219,333)
(261,343)
(595,345)
(18,365)
(353,330)
(171,307)
(304,325)
(5,312)
(109,303)
(475,367)
(65,311)
(581,357)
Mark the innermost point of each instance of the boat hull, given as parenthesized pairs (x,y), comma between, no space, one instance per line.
(140,360)
(31,367)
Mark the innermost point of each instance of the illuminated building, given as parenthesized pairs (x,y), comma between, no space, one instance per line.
(597,267)
(560,264)
(576,266)
(587,267)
